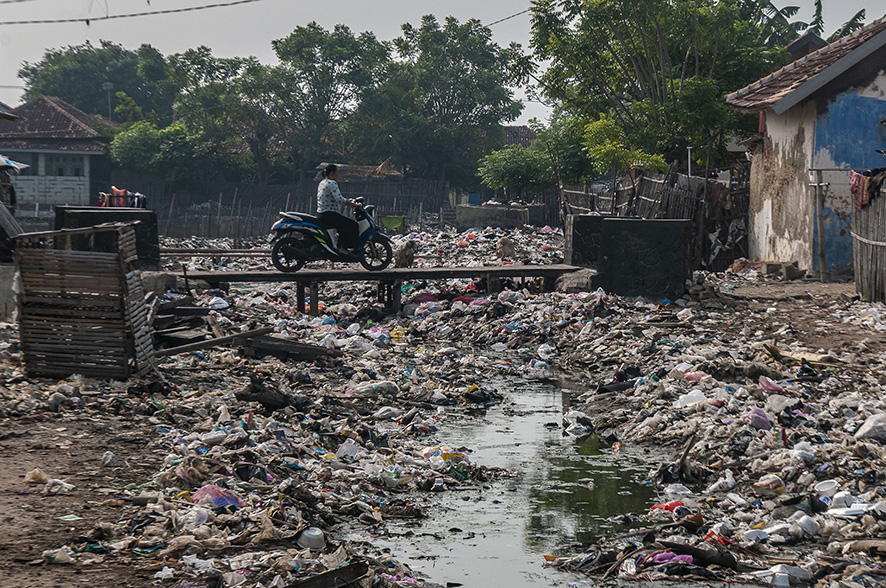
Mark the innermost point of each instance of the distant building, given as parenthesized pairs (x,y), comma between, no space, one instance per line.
(519,135)
(68,156)
(820,116)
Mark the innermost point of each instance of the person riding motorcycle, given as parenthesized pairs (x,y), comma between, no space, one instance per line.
(328,199)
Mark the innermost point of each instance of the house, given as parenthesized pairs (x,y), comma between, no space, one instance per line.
(820,117)
(68,157)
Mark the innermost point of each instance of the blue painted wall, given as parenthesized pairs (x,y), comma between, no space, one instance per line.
(837,241)
(851,132)
(848,135)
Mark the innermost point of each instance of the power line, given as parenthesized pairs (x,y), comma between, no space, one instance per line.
(89,20)
(515,15)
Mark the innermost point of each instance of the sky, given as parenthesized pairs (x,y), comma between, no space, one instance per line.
(247,29)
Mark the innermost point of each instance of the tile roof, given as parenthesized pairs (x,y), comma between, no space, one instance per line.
(47,122)
(766,92)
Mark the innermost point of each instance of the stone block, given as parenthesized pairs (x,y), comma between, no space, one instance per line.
(506,217)
(582,239)
(640,257)
(574,282)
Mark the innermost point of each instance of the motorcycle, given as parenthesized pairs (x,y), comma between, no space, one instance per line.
(299,238)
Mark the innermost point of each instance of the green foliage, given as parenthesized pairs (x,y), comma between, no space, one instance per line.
(609,149)
(850,26)
(657,69)
(441,103)
(137,147)
(76,74)
(517,167)
(127,111)
(324,75)
(562,143)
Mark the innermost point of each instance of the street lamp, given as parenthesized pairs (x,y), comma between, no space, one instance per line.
(107,87)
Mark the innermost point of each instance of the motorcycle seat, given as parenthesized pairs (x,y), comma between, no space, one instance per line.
(300,217)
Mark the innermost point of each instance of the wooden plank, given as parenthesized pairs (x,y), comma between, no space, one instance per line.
(280,344)
(211,343)
(71,301)
(63,312)
(71,321)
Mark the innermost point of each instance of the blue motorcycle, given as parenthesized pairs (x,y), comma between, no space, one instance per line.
(299,238)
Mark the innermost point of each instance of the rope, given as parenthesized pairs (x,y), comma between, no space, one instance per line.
(868,241)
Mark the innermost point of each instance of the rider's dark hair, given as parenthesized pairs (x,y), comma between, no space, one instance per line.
(329,169)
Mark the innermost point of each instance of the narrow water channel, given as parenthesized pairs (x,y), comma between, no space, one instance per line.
(563,491)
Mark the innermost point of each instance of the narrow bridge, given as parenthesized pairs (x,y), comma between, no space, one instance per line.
(389,280)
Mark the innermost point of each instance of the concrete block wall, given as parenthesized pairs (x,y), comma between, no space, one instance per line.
(49,191)
(468,216)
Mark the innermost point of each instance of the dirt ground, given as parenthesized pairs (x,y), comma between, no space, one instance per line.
(70,446)
(808,306)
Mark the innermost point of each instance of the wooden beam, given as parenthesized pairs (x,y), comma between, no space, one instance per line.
(211,343)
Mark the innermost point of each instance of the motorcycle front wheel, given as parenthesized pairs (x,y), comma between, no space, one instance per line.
(285,256)
(376,254)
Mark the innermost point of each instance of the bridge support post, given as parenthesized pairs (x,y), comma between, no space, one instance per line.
(300,296)
(315,298)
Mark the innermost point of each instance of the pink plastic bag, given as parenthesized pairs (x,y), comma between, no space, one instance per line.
(769,385)
(757,418)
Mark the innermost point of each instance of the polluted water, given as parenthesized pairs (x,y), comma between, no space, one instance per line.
(561,490)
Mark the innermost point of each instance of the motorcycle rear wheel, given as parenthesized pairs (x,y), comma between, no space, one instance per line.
(376,255)
(281,254)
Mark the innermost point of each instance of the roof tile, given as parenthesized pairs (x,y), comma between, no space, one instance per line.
(769,90)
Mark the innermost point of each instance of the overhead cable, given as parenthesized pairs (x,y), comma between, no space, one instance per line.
(88,20)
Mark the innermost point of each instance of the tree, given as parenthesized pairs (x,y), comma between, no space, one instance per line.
(517,167)
(324,75)
(609,149)
(136,149)
(445,97)
(562,143)
(645,64)
(850,26)
(76,74)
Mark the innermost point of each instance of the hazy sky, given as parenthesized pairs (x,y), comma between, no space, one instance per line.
(248,29)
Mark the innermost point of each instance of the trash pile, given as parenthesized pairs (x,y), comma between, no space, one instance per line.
(264,455)
(778,475)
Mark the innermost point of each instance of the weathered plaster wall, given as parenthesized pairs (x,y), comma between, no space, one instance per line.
(847,135)
(781,209)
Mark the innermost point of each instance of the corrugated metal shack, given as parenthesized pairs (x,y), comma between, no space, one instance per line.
(81,305)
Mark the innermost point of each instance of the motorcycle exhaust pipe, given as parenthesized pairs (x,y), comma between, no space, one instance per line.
(293,252)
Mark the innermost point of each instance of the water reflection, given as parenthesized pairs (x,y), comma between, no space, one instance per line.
(503,531)
(576,488)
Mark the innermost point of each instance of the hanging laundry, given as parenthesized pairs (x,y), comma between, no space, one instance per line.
(858,185)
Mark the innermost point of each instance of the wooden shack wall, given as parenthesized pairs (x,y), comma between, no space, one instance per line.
(82,312)
(869,250)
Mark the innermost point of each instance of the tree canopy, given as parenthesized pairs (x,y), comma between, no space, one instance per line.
(645,78)
(78,75)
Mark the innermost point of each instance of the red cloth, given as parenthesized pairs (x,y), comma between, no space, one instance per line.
(858,185)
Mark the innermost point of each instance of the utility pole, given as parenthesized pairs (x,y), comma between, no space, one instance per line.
(107,87)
